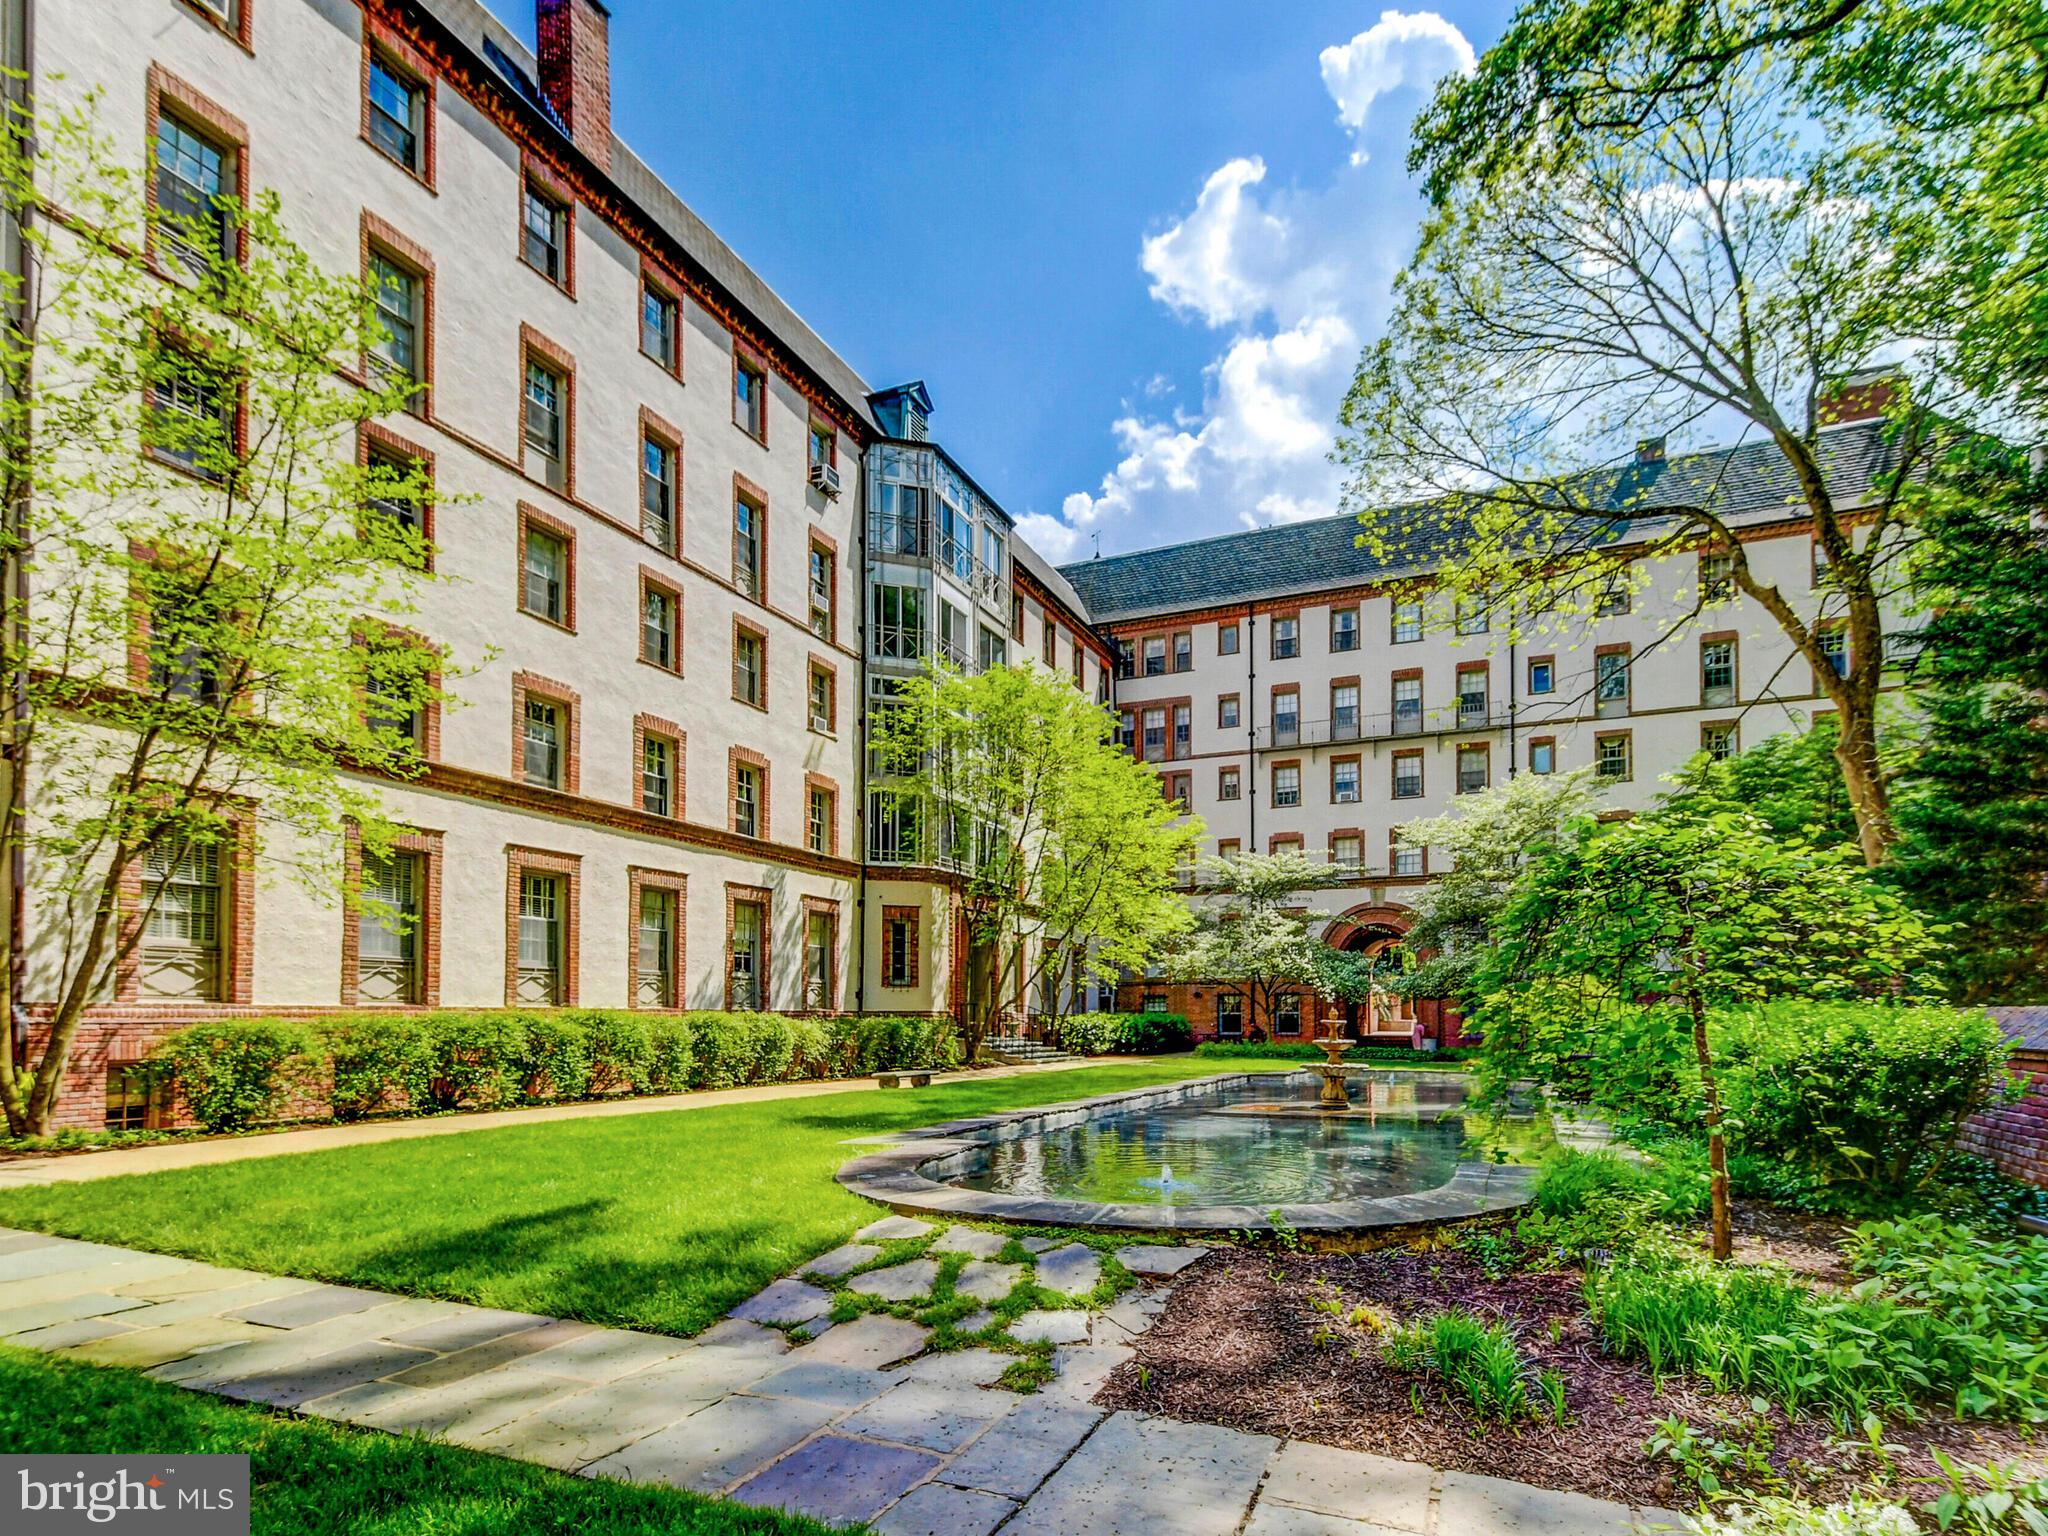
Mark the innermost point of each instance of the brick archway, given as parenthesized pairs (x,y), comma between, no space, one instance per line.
(1359,925)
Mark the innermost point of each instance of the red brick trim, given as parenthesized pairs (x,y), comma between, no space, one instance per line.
(239,934)
(1625,737)
(746,490)
(649,577)
(639,878)
(823,540)
(1394,761)
(428,846)
(816,665)
(1223,772)
(1616,648)
(239,34)
(1484,749)
(1273,632)
(739,627)
(1542,741)
(1273,784)
(518,861)
(764,898)
(542,175)
(1344,682)
(825,906)
(370,435)
(571,704)
(379,38)
(1716,636)
(915,918)
(164,90)
(654,275)
(1229,698)
(376,234)
(734,757)
(1286,841)
(744,355)
(817,781)
(653,725)
(531,345)
(1356,761)
(531,516)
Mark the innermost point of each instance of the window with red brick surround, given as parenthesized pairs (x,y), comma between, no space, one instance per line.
(167,95)
(568,867)
(655,428)
(371,631)
(1284,842)
(825,907)
(381,239)
(427,846)
(818,784)
(894,976)
(658,283)
(750,391)
(653,581)
(735,759)
(532,601)
(537,175)
(639,879)
(384,443)
(750,545)
(558,360)
(645,726)
(412,66)
(570,703)
(237,928)
(821,674)
(237,26)
(760,896)
(759,696)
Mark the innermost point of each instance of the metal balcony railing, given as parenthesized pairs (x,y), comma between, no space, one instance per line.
(1344,729)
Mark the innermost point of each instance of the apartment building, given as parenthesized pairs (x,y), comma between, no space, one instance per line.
(1299,692)
(652,486)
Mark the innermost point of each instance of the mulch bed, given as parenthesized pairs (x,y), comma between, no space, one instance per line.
(1241,1345)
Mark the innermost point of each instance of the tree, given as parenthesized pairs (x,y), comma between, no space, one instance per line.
(1714,263)
(1975,812)
(1252,931)
(200,633)
(1486,843)
(1703,912)
(1068,851)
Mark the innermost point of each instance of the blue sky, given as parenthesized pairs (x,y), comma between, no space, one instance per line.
(1133,247)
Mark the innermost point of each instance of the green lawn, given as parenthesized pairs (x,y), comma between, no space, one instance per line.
(658,1221)
(308,1478)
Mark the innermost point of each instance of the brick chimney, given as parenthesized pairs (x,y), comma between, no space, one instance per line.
(576,71)
(1650,450)
(1863,396)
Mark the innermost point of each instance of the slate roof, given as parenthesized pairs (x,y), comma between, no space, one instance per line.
(2027,1028)
(1746,482)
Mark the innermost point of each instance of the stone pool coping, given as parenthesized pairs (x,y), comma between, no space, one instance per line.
(901,1176)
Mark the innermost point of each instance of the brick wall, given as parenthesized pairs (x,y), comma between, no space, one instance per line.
(2015,1135)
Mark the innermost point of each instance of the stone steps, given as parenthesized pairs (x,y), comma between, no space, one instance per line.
(1013,1051)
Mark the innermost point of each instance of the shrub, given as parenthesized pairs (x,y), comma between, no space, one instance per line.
(621,1050)
(474,1058)
(377,1063)
(1124,1034)
(238,1072)
(881,1043)
(554,1057)
(671,1059)
(1469,1355)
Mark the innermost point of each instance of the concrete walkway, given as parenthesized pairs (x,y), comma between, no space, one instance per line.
(79,1167)
(857,1424)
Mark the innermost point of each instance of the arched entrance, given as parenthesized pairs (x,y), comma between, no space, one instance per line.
(1373,929)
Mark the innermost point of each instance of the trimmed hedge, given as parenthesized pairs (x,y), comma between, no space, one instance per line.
(236,1073)
(1124,1034)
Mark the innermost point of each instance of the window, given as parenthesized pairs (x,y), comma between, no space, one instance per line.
(1718,740)
(899,623)
(1407,705)
(1155,735)
(1080,665)
(392,706)
(1823,567)
(543,236)
(749,683)
(544,592)
(1016,615)
(1226,639)
(1834,648)
(1542,674)
(1183,729)
(654,953)
(1228,783)
(1615,596)
(1472,770)
(131,1096)
(1543,755)
(1343,629)
(1127,731)
(899,946)
(1407,860)
(541,737)
(1228,847)
(1471,695)
(749,397)
(1717,672)
(1717,577)
(191,417)
(1226,712)
(1154,652)
(1611,756)
(748,523)
(541,934)
(745,987)
(397,293)
(818,819)
(1610,683)
(1287,1014)
(824,709)
(1287,784)
(1472,618)
(1179,788)
(1344,780)
(1344,712)
(182,935)
(182,665)
(822,446)
(1407,775)
(1230,1015)
(746,799)
(657,492)
(994,650)
(1347,850)
(1153,1002)
(1286,716)
(818,947)
(397,114)
(657,775)
(393,496)
(658,327)
(1126,661)
(660,627)
(388,929)
(824,593)
(195,193)
(1049,643)
(546,433)
(1407,623)
(1183,652)
(1286,637)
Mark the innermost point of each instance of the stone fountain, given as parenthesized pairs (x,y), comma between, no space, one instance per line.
(1333,1046)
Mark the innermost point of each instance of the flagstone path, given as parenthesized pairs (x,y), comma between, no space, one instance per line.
(857,1423)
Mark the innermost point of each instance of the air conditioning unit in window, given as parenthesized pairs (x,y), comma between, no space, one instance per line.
(825,477)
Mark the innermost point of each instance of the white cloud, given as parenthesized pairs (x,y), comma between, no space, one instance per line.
(1400,49)
(1295,279)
